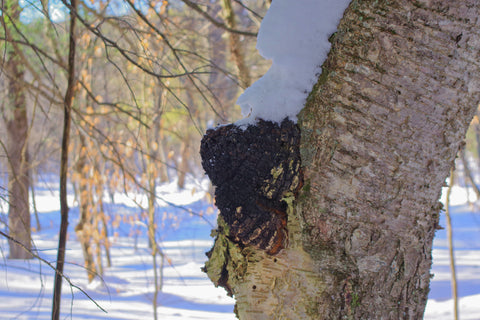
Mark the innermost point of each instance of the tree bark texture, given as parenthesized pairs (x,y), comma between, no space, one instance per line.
(380,132)
(15,117)
(18,177)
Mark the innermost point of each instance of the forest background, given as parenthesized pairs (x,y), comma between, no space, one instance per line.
(139,81)
(142,81)
(117,94)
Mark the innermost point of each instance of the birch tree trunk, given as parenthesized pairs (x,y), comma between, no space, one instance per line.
(380,132)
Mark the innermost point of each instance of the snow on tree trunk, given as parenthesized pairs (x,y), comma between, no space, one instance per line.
(380,132)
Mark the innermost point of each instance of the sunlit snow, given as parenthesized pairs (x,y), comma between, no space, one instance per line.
(126,289)
(294,35)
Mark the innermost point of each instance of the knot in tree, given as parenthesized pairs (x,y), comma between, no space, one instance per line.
(253,171)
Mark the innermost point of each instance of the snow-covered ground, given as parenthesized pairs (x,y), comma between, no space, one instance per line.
(466,234)
(126,289)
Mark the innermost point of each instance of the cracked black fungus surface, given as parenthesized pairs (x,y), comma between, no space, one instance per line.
(248,192)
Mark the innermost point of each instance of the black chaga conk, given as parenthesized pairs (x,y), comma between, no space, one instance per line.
(252,170)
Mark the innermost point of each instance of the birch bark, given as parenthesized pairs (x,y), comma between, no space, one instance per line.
(380,131)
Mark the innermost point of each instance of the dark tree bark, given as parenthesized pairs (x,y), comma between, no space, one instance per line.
(67,119)
(380,132)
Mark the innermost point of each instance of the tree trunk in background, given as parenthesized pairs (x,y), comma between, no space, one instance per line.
(85,228)
(380,132)
(17,134)
(159,151)
(223,88)
(18,178)
(101,218)
(236,45)
(152,229)
(163,161)
(448,220)
(468,174)
(182,168)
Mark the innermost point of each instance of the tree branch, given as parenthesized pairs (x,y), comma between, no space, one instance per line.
(36,256)
(216,23)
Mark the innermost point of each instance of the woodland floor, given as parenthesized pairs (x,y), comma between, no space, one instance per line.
(126,289)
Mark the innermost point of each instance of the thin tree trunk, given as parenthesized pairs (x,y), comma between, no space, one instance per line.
(182,168)
(85,228)
(17,151)
(380,132)
(18,183)
(450,246)
(67,118)
(34,205)
(159,152)
(152,227)
(153,170)
(163,162)
(235,45)
(100,228)
(222,87)
(468,173)
(104,235)
(477,139)
(97,236)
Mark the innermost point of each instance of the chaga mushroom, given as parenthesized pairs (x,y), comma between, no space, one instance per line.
(252,170)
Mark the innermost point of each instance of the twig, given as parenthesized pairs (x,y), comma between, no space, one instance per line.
(53,268)
(450,245)
(216,23)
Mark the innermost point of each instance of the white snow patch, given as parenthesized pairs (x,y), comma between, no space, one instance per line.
(48,198)
(468,306)
(460,195)
(167,194)
(294,35)
(126,289)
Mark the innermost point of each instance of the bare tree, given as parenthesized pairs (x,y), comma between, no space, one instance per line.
(67,119)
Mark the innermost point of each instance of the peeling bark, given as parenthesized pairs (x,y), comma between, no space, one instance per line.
(380,132)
